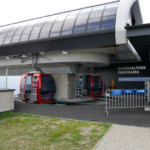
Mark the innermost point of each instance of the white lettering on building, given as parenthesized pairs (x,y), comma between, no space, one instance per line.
(130,70)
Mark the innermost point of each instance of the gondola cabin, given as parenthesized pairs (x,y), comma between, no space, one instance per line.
(92,85)
(37,87)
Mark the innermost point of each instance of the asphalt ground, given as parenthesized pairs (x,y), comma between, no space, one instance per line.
(91,111)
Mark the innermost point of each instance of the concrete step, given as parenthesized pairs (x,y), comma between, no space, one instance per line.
(74,101)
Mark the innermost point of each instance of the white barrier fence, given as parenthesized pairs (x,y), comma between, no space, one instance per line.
(126,98)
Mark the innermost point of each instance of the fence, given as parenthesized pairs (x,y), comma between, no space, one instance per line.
(126,98)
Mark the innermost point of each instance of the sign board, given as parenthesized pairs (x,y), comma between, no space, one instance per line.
(142,91)
(133,72)
(116,92)
(128,91)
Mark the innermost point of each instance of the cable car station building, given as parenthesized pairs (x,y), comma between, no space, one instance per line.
(108,39)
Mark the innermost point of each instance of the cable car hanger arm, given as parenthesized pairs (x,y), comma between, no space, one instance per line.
(34,62)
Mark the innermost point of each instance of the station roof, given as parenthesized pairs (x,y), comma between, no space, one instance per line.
(95,27)
(75,23)
(139,36)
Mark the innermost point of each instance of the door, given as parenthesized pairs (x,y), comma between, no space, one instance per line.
(21,95)
(34,84)
(34,89)
(97,86)
(22,84)
(48,88)
(28,87)
(87,85)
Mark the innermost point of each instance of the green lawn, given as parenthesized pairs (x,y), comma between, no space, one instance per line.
(29,132)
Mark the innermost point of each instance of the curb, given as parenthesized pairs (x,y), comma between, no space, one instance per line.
(97,145)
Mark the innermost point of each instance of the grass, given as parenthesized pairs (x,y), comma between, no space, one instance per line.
(29,132)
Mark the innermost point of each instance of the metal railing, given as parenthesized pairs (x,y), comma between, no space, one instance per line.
(126,98)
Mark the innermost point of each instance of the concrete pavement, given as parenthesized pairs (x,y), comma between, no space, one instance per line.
(121,137)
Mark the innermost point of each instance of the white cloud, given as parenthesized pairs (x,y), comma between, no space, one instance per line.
(145,8)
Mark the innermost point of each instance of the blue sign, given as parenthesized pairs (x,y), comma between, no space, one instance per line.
(141,91)
(128,91)
(116,92)
(128,79)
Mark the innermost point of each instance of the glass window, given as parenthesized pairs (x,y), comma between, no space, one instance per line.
(11,33)
(81,21)
(34,84)
(88,85)
(3,33)
(97,85)
(47,27)
(19,31)
(56,29)
(95,19)
(109,17)
(27,31)
(28,83)
(97,82)
(22,84)
(69,23)
(36,29)
(48,83)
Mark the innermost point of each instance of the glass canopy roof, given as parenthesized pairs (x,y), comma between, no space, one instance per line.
(82,21)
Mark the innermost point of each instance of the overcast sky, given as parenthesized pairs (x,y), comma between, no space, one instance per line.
(18,10)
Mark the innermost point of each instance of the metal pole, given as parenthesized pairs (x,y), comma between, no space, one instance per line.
(106,110)
(6,78)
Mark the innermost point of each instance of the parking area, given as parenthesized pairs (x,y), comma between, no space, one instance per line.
(92,111)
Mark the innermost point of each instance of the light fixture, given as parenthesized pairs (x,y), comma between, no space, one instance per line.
(42,53)
(7,58)
(23,56)
(64,52)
